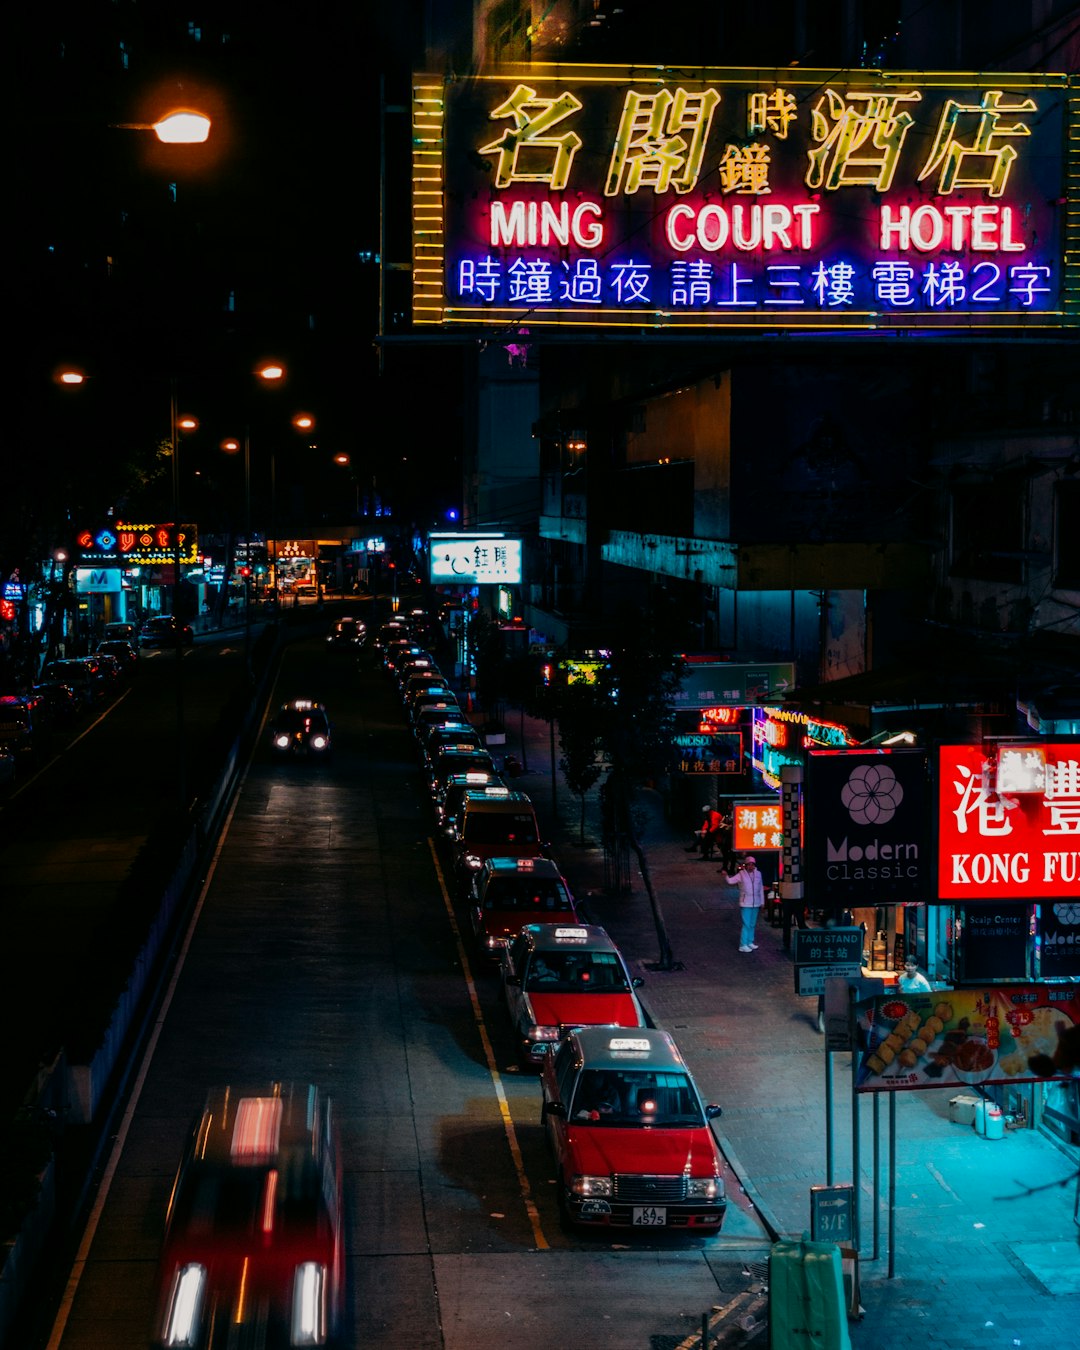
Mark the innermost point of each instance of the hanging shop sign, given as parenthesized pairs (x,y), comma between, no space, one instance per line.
(757,826)
(974,1037)
(698,198)
(473,560)
(866,827)
(120,544)
(708,752)
(704,683)
(1009,822)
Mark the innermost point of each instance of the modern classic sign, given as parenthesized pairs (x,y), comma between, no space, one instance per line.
(806,199)
(866,826)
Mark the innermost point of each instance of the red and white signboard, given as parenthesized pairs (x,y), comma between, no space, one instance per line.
(1009,823)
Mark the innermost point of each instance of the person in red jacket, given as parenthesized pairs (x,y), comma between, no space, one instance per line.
(708,836)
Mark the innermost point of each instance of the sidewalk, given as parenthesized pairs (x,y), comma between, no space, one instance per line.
(977,1263)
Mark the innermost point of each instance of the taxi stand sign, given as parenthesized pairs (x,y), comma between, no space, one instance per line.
(822,954)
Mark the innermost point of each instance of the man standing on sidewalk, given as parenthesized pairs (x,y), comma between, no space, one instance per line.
(751,898)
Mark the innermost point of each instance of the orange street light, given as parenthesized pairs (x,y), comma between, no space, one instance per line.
(271,370)
(183,126)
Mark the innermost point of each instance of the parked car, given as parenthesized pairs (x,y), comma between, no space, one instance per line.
(111,670)
(254,1229)
(508,893)
(78,673)
(61,700)
(166,631)
(24,726)
(122,651)
(495,823)
(630,1133)
(559,977)
(346,634)
(120,632)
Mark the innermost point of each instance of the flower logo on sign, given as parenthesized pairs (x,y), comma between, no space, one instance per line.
(872,794)
(1068,913)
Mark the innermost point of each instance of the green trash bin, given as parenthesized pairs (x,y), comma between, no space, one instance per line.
(807,1308)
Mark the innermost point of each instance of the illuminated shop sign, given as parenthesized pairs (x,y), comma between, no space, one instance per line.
(469,559)
(1009,826)
(708,752)
(706,683)
(782,736)
(121,544)
(579,195)
(757,825)
(867,835)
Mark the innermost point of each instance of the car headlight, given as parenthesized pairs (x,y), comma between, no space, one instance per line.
(282,742)
(309,1305)
(704,1188)
(185,1306)
(319,742)
(535,1033)
(586,1185)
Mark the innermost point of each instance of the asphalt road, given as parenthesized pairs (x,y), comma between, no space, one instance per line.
(325,948)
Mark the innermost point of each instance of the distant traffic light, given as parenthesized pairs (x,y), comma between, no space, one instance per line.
(245,572)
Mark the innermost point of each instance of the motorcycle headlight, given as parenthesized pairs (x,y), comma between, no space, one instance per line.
(309,1305)
(586,1185)
(185,1306)
(704,1188)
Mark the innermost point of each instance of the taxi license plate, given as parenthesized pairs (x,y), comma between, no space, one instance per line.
(648,1216)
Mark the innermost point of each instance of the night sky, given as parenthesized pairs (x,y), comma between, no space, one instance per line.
(141,262)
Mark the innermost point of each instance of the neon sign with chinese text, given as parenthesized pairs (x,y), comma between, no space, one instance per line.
(787,199)
(996,844)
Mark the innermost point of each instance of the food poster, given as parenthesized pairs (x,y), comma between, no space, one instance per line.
(1008,1034)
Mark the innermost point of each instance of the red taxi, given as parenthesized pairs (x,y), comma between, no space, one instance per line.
(630,1133)
(558,977)
(508,893)
(253,1250)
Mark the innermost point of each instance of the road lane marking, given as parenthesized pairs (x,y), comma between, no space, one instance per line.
(489,1054)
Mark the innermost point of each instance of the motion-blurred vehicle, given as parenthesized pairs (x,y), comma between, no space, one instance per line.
(559,977)
(121,651)
(253,1253)
(630,1133)
(301,728)
(164,630)
(508,893)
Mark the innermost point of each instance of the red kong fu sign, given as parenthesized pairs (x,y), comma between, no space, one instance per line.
(1010,828)
(577,195)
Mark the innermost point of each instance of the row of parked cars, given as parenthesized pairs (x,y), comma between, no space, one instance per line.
(626,1124)
(65,690)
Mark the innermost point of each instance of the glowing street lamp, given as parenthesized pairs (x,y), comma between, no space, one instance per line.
(183,126)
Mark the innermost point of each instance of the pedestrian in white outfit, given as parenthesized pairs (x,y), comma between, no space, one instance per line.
(751,898)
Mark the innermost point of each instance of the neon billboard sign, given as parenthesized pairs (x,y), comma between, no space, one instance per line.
(793,199)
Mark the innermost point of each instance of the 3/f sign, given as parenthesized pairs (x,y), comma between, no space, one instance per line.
(832,1214)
